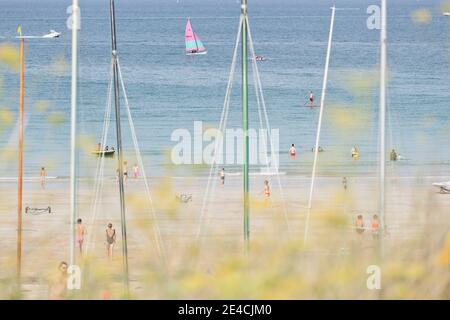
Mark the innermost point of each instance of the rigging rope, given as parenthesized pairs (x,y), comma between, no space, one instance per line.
(222,126)
(99,172)
(210,191)
(157,231)
(258,87)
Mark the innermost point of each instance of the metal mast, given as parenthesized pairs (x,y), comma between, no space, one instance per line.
(319,125)
(73,127)
(382,113)
(245,121)
(20,161)
(119,145)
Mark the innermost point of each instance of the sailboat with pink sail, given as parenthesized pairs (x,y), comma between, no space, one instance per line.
(194,45)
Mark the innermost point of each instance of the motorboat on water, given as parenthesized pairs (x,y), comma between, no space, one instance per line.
(52,34)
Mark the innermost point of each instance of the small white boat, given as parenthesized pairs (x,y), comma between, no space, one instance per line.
(105,153)
(447,14)
(52,34)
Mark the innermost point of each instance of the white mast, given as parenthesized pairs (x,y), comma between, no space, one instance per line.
(382,114)
(319,126)
(73,129)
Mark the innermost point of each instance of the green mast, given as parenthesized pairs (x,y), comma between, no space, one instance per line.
(245,120)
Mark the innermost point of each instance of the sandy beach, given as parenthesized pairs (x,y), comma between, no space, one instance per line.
(189,240)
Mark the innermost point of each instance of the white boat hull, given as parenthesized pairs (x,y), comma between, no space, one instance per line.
(196,53)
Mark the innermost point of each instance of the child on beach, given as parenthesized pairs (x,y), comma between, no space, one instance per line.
(359,224)
(80,233)
(42,175)
(266,191)
(110,240)
(375,226)
(222,177)
(57,288)
(136,171)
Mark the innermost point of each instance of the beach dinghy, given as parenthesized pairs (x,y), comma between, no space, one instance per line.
(194,45)
(106,153)
(444,187)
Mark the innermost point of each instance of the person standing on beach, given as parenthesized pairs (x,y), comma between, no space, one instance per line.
(375,226)
(344,183)
(292,151)
(136,171)
(80,233)
(110,240)
(266,191)
(57,288)
(42,175)
(125,171)
(222,177)
(359,224)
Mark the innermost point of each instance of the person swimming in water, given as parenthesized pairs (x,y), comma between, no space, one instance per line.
(292,151)
(394,155)
(320,149)
(311,99)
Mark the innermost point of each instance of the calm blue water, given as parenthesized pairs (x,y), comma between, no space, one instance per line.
(168,90)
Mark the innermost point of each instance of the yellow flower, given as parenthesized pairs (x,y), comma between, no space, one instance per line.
(421,16)
(9,55)
(444,253)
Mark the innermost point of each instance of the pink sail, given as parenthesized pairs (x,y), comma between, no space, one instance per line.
(193,42)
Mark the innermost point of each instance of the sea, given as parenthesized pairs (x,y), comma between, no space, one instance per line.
(170,91)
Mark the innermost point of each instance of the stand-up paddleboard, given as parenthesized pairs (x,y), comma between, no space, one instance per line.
(313,106)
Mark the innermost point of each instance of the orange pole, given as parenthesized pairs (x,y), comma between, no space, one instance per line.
(20,164)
